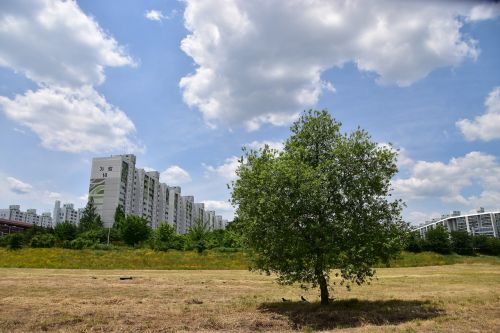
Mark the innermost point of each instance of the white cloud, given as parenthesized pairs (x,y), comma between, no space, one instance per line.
(403,159)
(64,51)
(220,207)
(447,182)
(17,186)
(227,170)
(175,175)
(256,145)
(157,15)
(485,127)
(54,42)
(417,217)
(261,61)
(14,191)
(72,119)
(484,11)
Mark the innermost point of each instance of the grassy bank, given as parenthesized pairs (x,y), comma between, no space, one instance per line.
(451,298)
(147,259)
(120,259)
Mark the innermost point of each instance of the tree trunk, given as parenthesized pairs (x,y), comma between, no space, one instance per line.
(323,287)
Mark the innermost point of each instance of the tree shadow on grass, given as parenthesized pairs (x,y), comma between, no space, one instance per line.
(352,312)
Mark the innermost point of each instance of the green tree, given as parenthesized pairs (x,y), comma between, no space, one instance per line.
(90,219)
(198,235)
(65,231)
(164,237)
(461,242)
(414,242)
(119,217)
(320,204)
(438,240)
(135,230)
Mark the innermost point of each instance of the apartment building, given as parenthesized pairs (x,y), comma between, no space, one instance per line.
(112,184)
(115,180)
(479,223)
(14,213)
(66,213)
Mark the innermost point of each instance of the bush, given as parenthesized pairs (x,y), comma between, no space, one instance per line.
(15,241)
(486,245)
(43,240)
(438,240)
(414,243)
(461,242)
(78,244)
(494,246)
(65,231)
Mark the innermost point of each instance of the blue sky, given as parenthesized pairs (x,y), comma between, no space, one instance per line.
(184,84)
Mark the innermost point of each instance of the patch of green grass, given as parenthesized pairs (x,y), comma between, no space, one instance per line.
(120,259)
(409,259)
(126,258)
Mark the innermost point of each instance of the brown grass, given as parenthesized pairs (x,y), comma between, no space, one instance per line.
(458,298)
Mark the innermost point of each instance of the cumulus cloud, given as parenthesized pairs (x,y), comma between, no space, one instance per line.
(261,61)
(17,186)
(72,119)
(256,145)
(175,175)
(157,15)
(417,217)
(54,42)
(64,51)
(217,205)
(447,181)
(485,127)
(226,170)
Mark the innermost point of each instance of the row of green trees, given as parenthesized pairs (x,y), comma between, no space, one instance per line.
(440,241)
(128,230)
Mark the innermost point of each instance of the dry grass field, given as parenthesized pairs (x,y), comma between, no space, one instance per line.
(453,298)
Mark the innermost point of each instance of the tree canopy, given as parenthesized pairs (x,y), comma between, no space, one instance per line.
(320,204)
(135,230)
(90,219)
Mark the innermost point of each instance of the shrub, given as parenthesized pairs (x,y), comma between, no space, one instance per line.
(65,231)
(438,240)
(461,242)
(414,243)
(43,240)
(15,241)
(78,244)
(480,244)
(493,245)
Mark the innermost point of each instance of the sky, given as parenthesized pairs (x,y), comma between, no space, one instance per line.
(185,84)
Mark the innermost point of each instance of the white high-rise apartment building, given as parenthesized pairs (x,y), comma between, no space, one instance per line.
(174,207)
(186,216)
(116,181)
(66,213)
(112,184)
(199,214)
(146,196)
